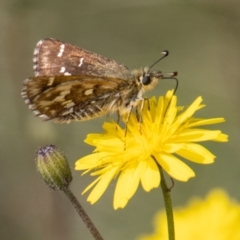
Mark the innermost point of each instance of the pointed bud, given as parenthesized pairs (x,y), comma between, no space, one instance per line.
(53,166)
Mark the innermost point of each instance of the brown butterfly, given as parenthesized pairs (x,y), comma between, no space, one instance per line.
(71,83)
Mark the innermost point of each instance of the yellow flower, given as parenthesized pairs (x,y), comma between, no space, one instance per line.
(136,155)
(216,217)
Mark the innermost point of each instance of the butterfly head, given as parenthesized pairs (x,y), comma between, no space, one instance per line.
(147,79)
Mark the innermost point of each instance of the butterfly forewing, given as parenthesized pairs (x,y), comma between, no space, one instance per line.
(53,58)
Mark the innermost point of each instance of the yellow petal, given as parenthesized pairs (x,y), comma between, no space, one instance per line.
(113,129)
(170,112)
(159,110)
(201,121)
(127,185)
(169,95)
(102,184)
(92,184)
(196,153)
(91,161)
(221,138)
(171,147)
(91,138)
(174,167)
(188,112)
(150,176)
(196,135)
(105,142)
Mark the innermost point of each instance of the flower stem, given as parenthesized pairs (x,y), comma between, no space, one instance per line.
(83,214)
(168,206)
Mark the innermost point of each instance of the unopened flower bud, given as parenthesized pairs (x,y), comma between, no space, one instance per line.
(53,166)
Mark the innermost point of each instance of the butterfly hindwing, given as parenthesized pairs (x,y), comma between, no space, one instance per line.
(65,98)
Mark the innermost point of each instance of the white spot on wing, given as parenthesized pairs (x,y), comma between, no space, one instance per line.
(62,70)
(36,112)
(31,106)
(27,101)
(67,74)
(80,62)
(61,50)
(36,50)
(26,81)
(45,117)
(35,59)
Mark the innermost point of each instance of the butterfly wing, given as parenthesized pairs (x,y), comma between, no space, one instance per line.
(54,58)
(66,98)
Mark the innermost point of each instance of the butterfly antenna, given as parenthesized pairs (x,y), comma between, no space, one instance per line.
(172,76)
(164,53)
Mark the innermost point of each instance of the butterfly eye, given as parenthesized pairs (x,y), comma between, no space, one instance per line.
(146,80)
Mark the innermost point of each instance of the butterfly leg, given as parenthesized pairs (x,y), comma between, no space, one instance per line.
(128,116)
(139,114)
(118,117)
(135,104)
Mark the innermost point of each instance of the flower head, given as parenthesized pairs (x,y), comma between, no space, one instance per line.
(216,217)
(135,155)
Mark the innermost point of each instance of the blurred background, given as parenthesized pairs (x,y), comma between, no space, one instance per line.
(203,38)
